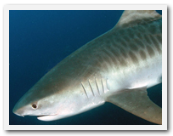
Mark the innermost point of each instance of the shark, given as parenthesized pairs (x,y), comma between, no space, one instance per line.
(117,67)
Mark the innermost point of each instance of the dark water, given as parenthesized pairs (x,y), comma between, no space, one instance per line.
(41,39)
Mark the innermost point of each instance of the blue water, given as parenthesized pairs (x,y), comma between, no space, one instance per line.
(41,39)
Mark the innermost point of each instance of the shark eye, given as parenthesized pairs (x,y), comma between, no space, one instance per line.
(34,106)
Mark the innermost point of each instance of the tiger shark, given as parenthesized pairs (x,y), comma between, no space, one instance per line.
(116,67)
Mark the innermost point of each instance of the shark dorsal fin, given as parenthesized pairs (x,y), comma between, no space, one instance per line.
(132,17)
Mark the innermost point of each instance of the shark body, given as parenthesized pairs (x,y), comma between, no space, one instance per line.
(115,67)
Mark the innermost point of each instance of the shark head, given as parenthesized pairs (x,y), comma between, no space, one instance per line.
(53,98)
(45,104)
(32,108)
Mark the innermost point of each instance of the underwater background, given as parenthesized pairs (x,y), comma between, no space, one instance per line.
(39,39)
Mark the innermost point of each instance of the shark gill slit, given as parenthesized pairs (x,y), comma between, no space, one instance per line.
(102,86)
(84,90)
(97,86)
(91,87)
(107,84)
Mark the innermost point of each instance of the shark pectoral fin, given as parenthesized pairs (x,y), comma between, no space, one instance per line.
(137,102)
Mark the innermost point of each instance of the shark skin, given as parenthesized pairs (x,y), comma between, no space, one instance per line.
(116,67)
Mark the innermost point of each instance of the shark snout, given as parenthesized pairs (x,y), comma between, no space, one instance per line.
(18,111)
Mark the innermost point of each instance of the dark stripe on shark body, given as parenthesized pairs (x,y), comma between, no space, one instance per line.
(150,51)
(156,43)
(142,54)
(133,57)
